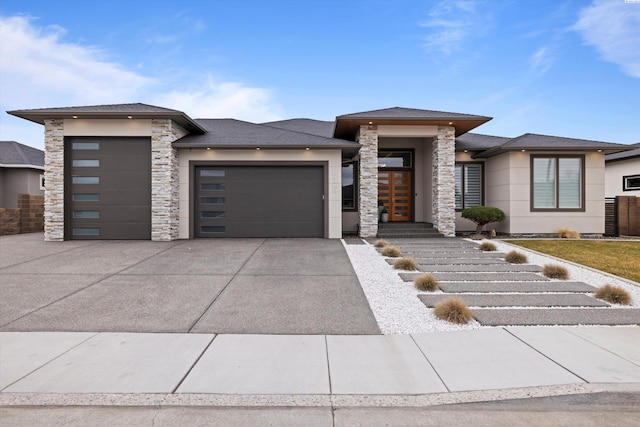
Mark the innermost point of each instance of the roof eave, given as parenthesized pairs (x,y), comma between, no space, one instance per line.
(499,150)
(346,127)
(40,116)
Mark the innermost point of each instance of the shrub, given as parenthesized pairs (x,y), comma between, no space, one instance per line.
(453,310)
(515,257)
(483,215)
(391,251)
(405,264)
(554,271)
(426,283)
(613,294)
(565,233)
(487,246)
(381,243)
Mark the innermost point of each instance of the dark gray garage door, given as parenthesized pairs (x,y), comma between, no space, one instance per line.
(260,201)
(108,188)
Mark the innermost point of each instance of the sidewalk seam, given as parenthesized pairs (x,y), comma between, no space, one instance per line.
(184,377)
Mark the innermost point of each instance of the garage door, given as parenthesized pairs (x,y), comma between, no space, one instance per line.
(260,201)
(108,188)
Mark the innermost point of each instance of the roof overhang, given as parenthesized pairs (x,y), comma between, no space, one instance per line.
(348,150)
(39,116)
(500,150)
(347,128)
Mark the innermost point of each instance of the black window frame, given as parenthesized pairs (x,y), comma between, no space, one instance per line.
(355,165)
(482,184)
(625,180)
(557,158)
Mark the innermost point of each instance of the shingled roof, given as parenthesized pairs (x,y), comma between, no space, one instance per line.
(310,126)
(111,111)
(232,133)
(479,142)
(536,142)
(16,155)
(634,151)
(347,125)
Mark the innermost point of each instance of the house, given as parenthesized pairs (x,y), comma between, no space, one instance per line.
(136,171)
(21,172)
(622,172)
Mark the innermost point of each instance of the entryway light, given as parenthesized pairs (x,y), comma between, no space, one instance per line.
(258,148)
(307,148)
(450,123)
(524,151)
(129,117)
(370,123)
(75,117)
(466,151)
(599,151)
(208,148)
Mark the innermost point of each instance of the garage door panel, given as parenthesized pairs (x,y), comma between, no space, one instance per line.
(109,188)
(274,201)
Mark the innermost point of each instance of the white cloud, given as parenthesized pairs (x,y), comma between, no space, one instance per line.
(38,69)
(451,23)
(540,62)
(212,99)
(613,27)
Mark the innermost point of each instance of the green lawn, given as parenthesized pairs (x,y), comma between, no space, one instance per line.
(616,257)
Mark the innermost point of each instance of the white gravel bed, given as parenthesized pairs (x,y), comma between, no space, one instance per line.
(393,301)
(398,310)
(577,273)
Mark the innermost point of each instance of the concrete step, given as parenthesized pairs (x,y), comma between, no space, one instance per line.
(478,277)
(557,316)
(533,287)
(449,253)
(516,300)
(459,261)
(506,268)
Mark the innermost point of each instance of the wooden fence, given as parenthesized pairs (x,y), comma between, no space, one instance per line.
(622,216)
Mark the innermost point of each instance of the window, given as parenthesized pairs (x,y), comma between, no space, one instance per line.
(350,186)
(86,197)
(85,146)
(85,180)
(395,159)
(42,182)
(469,186)
(557,183)
(631,182)
(86,163)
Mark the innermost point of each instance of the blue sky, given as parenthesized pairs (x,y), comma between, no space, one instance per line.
(568,68)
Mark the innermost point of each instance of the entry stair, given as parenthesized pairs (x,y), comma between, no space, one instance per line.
(407,229)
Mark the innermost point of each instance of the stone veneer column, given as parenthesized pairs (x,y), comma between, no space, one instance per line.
(368,181)
(444,186)
(54,180)
(164,179)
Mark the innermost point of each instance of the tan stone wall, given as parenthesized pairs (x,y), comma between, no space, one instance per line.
(165,207)
(54,180)
(368,199)
(444,212)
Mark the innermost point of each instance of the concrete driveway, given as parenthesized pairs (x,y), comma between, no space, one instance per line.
(246,286)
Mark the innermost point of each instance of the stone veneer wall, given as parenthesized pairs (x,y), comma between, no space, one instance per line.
(444,187)
(368,181)
(164,179)
(54,180)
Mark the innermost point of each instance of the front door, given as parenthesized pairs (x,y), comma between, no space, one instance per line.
(394,192)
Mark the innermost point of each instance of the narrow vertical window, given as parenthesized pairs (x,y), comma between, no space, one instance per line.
(469,185)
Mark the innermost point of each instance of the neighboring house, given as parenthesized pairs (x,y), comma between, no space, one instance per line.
(143,172)
(21,172)
(622,173)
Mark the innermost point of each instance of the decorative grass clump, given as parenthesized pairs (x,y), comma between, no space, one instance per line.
(426,283)
(391,251)
(565,233)
(554,271)
(613,294)
(515,257)
(381,243)
(487,247)
(405,264)
(453,310)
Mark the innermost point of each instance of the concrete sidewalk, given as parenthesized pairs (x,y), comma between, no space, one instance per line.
(53,368)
